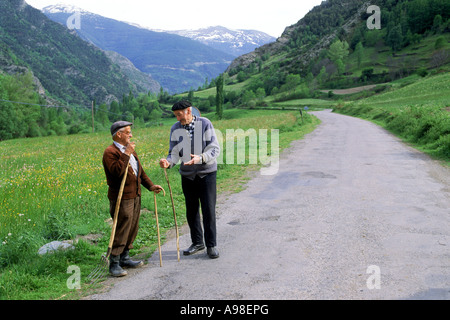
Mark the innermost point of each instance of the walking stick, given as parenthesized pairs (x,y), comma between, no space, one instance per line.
(157,226)
(174,215)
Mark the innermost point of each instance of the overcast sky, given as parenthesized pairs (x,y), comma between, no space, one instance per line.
(271,17)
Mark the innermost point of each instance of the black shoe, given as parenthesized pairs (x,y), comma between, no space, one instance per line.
(212,252)
(126,262)
(193,249)
(114,267)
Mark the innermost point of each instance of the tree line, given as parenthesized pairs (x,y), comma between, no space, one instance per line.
(24,113)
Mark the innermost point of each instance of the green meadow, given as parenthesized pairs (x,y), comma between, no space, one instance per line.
(54,188)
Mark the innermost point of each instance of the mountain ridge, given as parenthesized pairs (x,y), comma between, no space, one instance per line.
(70,69)
(228,40)
(290,32)
(177,63)
(234,41)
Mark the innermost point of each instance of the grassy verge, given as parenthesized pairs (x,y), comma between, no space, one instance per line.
(418,112)
(54,188)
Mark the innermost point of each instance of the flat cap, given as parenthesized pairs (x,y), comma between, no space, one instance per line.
(181,105)
(116,126)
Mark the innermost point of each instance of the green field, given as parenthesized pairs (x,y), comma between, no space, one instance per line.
(54,188)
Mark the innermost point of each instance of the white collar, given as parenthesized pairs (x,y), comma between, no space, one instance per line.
(120,146)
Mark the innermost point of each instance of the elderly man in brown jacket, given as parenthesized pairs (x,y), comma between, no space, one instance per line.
(115,159)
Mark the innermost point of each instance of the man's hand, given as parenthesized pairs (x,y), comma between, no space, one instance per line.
(130,148)
(163,163)
(156,188)
(195,159)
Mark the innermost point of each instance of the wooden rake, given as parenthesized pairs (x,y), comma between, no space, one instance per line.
(103,266)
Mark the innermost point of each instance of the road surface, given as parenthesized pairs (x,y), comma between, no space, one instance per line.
(353,213)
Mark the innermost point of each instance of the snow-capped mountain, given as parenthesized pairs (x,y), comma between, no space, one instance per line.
(178,63)
(235,42)
(63,8)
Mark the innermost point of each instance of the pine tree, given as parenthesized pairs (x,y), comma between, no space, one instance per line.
(219,97)
(395,38)
(338,50)
(359,51)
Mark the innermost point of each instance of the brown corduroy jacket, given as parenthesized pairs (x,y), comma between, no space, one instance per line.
(114,162)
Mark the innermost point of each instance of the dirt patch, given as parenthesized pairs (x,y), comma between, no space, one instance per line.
(351,90)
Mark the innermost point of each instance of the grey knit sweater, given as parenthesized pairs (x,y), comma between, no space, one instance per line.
(203,142)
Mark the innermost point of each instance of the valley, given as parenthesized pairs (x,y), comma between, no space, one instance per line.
(363,119)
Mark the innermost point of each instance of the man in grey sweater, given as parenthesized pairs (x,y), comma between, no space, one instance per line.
(194,142)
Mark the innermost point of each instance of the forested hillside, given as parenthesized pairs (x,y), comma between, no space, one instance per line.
(42,63)
(332,47)
(69,68)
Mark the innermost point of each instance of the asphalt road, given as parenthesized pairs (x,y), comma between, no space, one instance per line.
(353,213)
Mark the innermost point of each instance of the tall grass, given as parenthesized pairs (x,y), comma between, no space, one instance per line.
(54,188)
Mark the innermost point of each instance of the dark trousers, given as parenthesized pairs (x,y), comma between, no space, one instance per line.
(201,191)
(127,224)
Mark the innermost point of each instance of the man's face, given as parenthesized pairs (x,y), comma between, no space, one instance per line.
(124,136)
(184,116)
